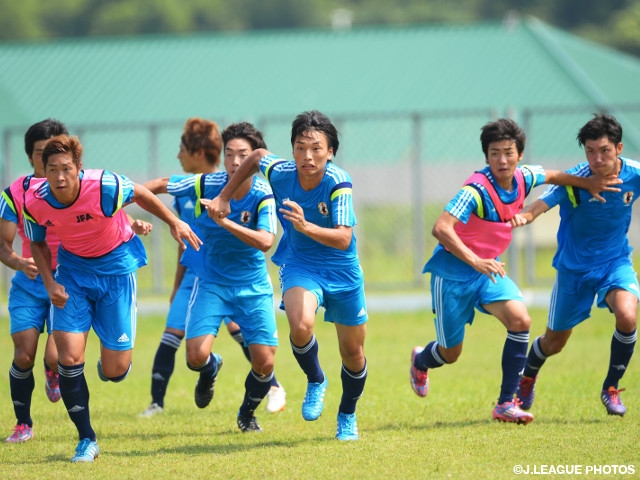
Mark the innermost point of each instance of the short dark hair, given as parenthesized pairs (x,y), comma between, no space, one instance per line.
(502,129)
(63,144)
(246,131)
(601,125)
(201,134)
(315,120)
(43,130)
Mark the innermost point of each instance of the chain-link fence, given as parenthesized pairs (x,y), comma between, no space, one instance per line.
(405,167)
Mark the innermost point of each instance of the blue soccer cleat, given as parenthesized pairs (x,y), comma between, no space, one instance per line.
(347,427)
(313,402)
(86,451)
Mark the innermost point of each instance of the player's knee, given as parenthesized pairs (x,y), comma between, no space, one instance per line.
(121,377)
(552,346)
(450,355)
(24,359)
(263,369)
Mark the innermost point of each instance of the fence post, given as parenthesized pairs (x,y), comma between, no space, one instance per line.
(156,240)
(417,201)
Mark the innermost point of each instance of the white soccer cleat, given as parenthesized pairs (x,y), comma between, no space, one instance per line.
(276,399)
(151,410)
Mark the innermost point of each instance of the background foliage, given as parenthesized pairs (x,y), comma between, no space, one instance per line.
(614,22)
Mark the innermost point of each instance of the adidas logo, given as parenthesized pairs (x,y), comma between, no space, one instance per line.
(619,367)
(48,223)
(362,312)
(275,334)
(75,409)
(157,376)
(633,286)
(123,338)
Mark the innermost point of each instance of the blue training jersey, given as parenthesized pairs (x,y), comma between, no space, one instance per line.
(328,205)
(474,199)
(592,233)
(185,208)
(228,260)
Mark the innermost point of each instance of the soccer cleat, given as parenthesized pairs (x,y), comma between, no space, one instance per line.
(248,423)
(313,402)
(419,378)
(511,412)
(611,400)
(204,393)
(276,399)
(347,427)
(526,391)
(100,372)
(21,433)
(86,451)
(151,410)
(51,385)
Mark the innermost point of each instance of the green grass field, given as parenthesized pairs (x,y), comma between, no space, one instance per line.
(449,434)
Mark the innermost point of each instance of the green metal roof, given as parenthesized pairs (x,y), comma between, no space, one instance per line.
(372,72)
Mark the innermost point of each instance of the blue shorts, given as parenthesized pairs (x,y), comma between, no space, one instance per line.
(177,316)
(105,302)
(340,292)
(454,303)
(573,293)
(29,304)
(250,306)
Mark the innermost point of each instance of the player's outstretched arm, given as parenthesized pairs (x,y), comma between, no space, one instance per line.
(157,185)
(593,184)
(179,230)
(219,206)
(260,239)
(445,234)
(530,213)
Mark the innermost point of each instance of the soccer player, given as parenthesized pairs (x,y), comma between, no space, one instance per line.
(199,153)
(317,257)
(28,300)
(232,280)
(95,282)
(593,260)
(473,231)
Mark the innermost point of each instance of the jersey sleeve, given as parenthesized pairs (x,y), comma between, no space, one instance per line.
(553,195)
(183,185)
(534,175)
(33,231)
(467,201)
(342,204)
(8,209)
(116,191)
(267,219)
(267,163)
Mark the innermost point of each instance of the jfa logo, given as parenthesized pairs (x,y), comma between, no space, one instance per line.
(84,218)
(627,197)
(245,217)
(323,209)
